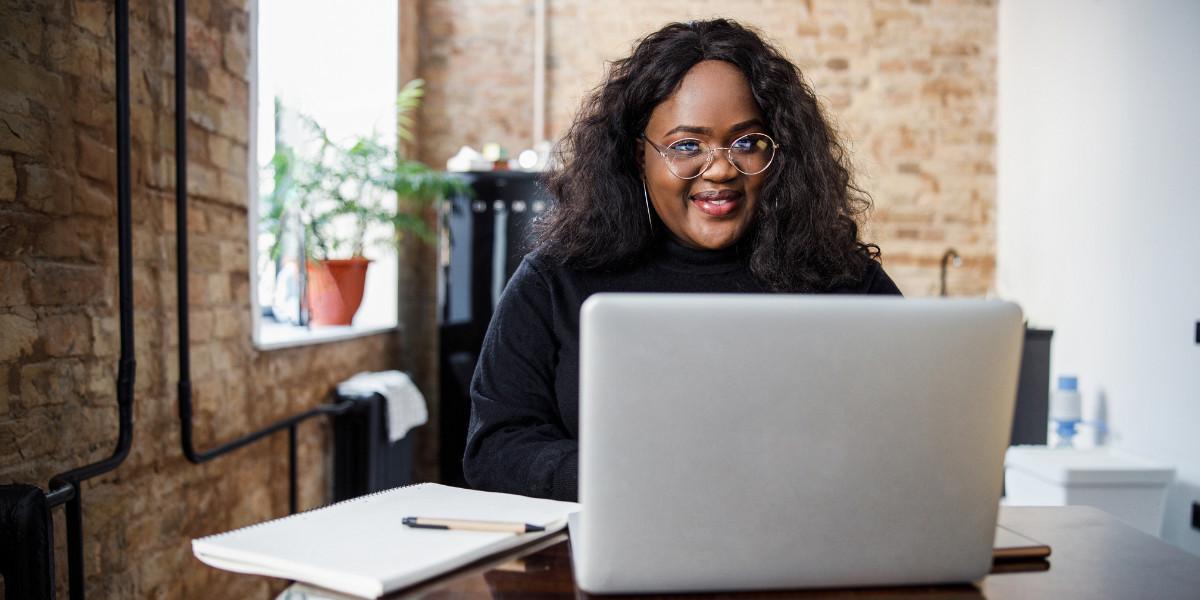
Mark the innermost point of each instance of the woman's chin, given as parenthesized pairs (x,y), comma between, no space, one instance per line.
(714,240)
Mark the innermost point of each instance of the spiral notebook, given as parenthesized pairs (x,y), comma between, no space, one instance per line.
(360,546)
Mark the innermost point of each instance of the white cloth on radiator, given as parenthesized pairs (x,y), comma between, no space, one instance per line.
(405,403)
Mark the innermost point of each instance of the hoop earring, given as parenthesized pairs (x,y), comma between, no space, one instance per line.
(646,197)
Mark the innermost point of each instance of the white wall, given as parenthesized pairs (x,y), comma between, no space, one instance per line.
(1099,212)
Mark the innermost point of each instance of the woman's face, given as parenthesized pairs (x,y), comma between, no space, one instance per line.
(713,104)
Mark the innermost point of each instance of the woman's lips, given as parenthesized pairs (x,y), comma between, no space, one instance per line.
(717,204)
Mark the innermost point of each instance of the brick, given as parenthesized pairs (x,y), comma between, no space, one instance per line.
(221,85)
(71,52)
(239,285)
(223,220)
(46,189)
(197,218)
(51,382)
(235,254)
(203,181)
(142,128)
(147,244)
(204,254)
(198,145)
(200,325)
(14,102)
(22,32)
(197,288)
(236,46)
(6,399)
(66,335)
(231,322)
(203,43)
(23,135)
(234,189)
(15,279)
(239,94)
(93,16)
(95,199)
(235,123)
(203,111)
(105,336)
(58,284)
(98,424)
(217,289)
(805,29)
(8,179)
(956,48)
(226,155)
(100,380)
(70,238)
(28,79)
(31,438)
(19,335)
(145,285)
(161,173)
(96,160)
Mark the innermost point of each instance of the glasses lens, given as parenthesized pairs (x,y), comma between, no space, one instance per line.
(687,158)
(752,153)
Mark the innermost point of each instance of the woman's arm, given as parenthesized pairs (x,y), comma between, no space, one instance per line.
(516,441)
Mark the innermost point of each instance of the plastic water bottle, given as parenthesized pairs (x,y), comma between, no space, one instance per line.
(1066,410)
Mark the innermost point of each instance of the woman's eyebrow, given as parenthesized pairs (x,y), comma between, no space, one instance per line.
(708,130)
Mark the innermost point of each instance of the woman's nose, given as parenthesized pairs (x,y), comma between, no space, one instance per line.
(721,169)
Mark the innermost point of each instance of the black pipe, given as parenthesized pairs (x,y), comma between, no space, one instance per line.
(185,384)
(181,238)
(75,573)
(292,496)
(66,487)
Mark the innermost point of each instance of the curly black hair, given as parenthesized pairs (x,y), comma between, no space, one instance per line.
(804,235)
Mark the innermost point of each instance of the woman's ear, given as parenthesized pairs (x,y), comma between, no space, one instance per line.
(639,154)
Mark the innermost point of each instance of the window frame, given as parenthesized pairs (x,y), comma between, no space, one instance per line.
(282,335)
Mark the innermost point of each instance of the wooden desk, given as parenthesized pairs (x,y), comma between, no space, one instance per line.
(1093,556)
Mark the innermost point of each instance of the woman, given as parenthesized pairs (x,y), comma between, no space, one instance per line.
(702,164)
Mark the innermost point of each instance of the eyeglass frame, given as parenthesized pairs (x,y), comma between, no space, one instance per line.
(712,153)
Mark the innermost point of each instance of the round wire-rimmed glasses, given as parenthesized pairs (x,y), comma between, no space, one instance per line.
(689,158)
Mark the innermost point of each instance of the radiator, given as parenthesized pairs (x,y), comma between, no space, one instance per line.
(364,460)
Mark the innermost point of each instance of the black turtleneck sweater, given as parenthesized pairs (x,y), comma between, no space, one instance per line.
(524,429)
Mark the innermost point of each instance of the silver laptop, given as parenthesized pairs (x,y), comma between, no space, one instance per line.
(742,442)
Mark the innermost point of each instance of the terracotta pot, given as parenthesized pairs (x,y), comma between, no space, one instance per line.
(335,290)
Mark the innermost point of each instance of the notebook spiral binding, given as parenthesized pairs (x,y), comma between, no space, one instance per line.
(316,508)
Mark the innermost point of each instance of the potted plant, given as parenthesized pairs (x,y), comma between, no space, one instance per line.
(342,196)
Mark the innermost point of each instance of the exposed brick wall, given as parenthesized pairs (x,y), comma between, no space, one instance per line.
(910,84)
(58,322)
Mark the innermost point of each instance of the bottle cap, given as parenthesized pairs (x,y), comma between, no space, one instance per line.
(1068,383)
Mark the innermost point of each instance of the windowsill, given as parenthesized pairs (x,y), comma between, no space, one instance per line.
(273,336)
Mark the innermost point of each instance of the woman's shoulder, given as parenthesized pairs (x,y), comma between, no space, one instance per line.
(551,267)
(544,270)
(874,280)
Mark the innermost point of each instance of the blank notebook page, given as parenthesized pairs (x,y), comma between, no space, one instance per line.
(360,546)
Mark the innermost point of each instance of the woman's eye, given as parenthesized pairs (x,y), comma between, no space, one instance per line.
(685,147)
(744,145)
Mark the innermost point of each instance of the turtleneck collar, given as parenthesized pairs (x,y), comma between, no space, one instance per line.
(675,256)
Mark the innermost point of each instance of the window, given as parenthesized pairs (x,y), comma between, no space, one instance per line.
(334,66)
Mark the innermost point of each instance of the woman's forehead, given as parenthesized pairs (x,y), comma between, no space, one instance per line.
(713,94)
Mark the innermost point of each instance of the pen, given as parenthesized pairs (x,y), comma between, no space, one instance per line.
(467,525)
